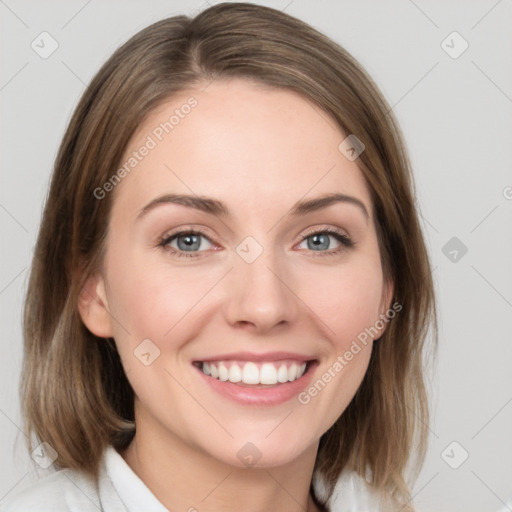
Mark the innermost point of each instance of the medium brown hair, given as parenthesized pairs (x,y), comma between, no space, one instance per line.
(74,391)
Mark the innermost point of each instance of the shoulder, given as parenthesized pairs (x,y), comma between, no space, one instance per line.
(355,494)
(352,493)
(63,491)
(117,489)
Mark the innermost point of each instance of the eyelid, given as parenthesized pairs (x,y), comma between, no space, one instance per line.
(343,238)
(165,240)
(181,230)
(322,229)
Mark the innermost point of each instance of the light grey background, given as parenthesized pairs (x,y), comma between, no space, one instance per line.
(456,116)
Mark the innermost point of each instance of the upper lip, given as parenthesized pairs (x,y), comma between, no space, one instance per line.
(252,356)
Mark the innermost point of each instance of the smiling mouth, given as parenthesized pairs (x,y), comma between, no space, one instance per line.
(248,373)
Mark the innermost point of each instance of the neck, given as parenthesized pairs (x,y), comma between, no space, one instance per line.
(183,477)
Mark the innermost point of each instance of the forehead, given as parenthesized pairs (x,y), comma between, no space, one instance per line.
(243,143)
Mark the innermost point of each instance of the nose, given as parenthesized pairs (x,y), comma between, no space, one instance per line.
(260,295)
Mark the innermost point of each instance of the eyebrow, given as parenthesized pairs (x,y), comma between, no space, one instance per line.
(218,208)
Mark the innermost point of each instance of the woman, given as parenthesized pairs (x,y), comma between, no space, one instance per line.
(230,291)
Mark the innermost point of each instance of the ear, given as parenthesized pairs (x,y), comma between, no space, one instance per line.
(385,307)
(388,290)
(93,307)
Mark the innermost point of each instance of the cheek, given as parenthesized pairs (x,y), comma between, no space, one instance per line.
(346,298)
(347,301)
(150,299)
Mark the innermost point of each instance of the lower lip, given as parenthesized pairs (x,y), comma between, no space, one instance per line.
(260,396)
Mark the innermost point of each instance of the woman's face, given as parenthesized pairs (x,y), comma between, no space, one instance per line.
(221,263)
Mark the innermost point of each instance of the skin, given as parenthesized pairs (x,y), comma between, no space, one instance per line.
(258,151)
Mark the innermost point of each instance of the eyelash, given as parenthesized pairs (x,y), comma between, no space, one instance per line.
(346,242)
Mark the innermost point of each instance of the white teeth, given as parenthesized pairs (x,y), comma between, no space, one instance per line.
(282,374)
(235,373)
(268,374)
(252,373)
(292,372)
(223,372)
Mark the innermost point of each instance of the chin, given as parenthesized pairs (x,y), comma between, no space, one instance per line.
(260,452)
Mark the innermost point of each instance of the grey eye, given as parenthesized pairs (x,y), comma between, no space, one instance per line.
(188,242)
(319,242)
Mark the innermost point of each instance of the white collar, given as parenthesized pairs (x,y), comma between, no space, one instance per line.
(130,488)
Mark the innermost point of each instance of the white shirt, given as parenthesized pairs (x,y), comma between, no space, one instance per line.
(119,489)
